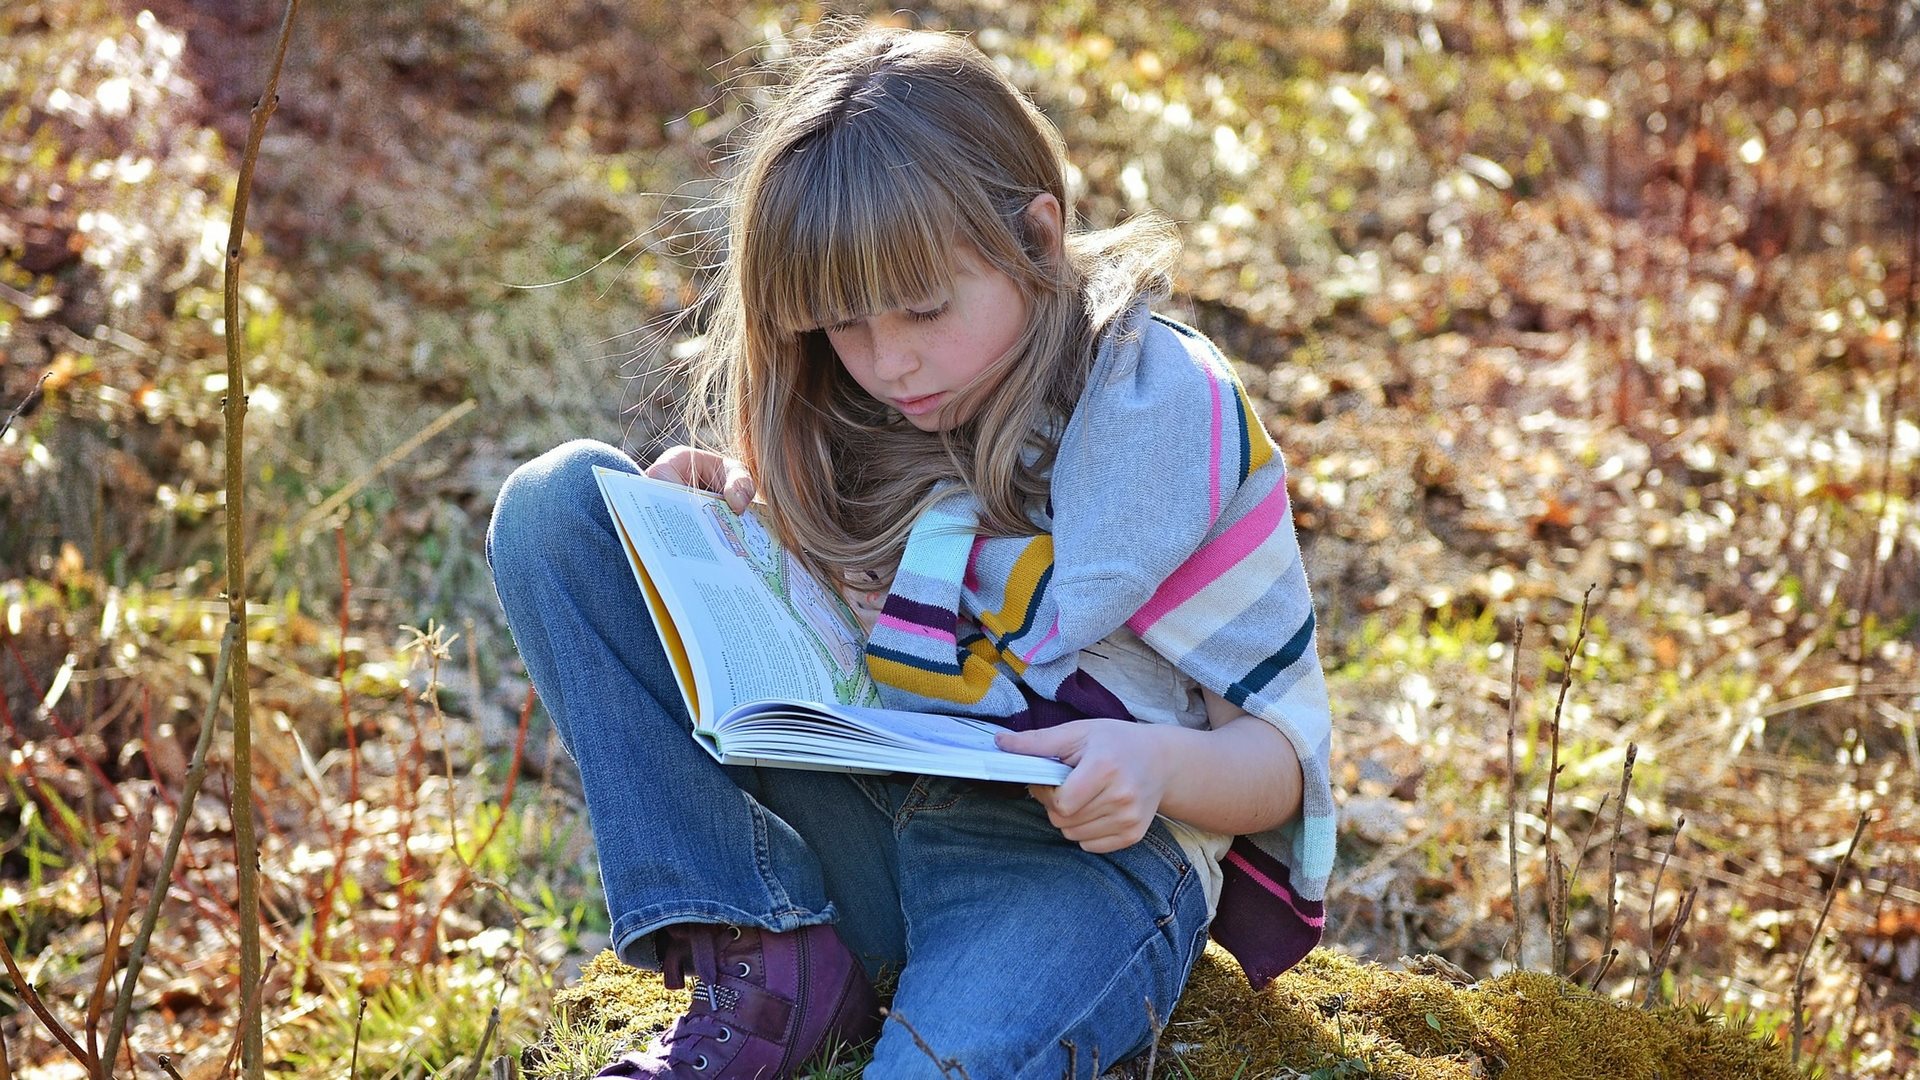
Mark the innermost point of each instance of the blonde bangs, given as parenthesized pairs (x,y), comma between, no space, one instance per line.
(843,230)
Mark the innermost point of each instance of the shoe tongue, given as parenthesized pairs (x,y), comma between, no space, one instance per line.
(706,956)
(674,955)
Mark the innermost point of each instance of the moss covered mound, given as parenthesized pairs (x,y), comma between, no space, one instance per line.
(1330,1018)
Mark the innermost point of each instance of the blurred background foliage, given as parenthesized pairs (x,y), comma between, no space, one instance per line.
(1536,296)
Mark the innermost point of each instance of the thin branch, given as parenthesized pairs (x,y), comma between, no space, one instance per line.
(359,1018)
(32,997)
(942,1064)
(33,396)
(1680,918)
(1653,898)
(196,774)
(1556,899)
(486,1040)
(123,909)
(1799,972)
(246,844)
(1613,857)
(1153,1048)
(1513,804)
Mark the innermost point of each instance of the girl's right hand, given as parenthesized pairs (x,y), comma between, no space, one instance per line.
(706,471)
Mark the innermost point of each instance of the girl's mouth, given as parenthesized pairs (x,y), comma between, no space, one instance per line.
(919,406)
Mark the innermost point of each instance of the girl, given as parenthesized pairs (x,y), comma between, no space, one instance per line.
(1053,509)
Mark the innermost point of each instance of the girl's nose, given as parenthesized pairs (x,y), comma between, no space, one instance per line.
(893,359)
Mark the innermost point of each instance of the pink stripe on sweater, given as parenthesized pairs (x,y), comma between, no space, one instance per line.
(1215,559)
(1213,461)
(895,623)
(971,579)
(1275,888)
(1052,632)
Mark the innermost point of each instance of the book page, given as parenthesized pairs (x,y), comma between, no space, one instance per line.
(754,624)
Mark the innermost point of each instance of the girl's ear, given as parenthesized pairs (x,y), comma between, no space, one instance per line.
(1044,228)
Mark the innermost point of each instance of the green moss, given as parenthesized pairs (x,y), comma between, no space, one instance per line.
(1332,1008)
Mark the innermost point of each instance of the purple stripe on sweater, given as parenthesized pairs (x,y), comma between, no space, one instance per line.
(931,616)
(1080,697)
(1263,931)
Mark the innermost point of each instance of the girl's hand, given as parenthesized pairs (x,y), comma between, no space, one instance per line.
(1109,799)
(706,471)
(866,597)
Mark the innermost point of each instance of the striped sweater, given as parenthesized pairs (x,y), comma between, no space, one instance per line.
(1168,515)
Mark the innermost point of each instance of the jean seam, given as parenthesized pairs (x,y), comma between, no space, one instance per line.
(763,856)
(913,804)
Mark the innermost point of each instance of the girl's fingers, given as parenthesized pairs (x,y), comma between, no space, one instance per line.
(707,471)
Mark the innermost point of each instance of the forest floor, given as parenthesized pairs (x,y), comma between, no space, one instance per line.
(1600,305)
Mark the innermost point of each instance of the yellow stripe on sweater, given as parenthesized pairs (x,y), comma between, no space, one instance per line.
(975,679)
(1022,583)
(1260,448)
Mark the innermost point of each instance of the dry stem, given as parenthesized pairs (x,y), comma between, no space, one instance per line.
(1613,859)
(1513,805)
(1799,972)
(1556,873)
(1680,918)
(247,848)
(196,774)
(939,1063)
(123,909)
(32,997)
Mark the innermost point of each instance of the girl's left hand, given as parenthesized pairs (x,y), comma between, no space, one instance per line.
(1109,799)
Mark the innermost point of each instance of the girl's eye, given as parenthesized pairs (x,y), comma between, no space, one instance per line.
(929,316)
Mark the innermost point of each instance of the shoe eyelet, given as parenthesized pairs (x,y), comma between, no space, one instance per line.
(735,931)
(746,969)
(700,1063)
(726,1035)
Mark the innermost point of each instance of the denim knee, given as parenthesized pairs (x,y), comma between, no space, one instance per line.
(545,499)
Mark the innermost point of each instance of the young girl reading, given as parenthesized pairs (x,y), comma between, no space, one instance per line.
(1055,510)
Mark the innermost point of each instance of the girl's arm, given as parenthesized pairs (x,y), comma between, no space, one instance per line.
(1239,776)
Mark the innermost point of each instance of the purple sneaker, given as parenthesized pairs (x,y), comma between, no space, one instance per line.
(763,1003)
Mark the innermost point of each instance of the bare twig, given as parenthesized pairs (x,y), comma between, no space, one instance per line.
(246,844)
(196,774)
(1556,878)
(1613,857)
(123,909)
(166,1066)
(1800,970)
(939,1063)
(323,913)
(486,1040)
(1513,805)
(33,395)
(1153,1048)
(1653,898)
(32,997)
(1680,918)
(506,807)
(359,1019)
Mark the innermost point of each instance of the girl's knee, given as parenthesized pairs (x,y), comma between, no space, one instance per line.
(549,495)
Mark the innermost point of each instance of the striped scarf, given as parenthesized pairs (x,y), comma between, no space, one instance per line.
(1186,541)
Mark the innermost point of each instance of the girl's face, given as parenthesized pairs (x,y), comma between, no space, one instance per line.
(914,358)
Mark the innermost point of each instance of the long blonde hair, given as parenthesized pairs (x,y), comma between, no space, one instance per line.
(888,148)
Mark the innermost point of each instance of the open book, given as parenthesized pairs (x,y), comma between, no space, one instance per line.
(770,661)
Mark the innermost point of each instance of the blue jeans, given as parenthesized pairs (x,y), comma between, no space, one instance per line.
(1010,941)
